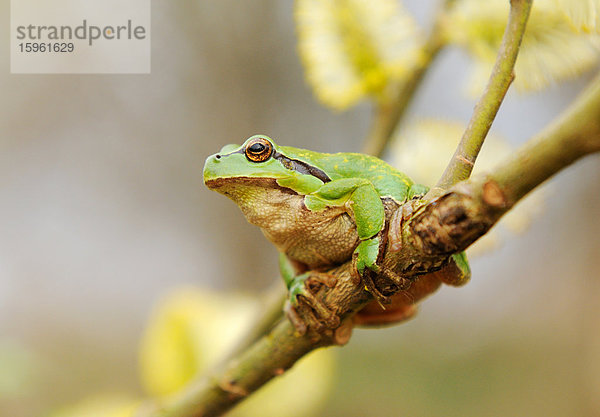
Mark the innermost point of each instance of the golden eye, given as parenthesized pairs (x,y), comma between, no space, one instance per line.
(259,150)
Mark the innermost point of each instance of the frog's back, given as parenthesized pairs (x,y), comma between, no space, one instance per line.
(388,181)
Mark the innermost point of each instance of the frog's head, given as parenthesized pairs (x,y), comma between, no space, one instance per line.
(259,162)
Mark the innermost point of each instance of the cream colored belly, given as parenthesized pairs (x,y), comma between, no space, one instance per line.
(316,239)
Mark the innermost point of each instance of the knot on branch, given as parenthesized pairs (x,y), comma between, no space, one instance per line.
(452,222)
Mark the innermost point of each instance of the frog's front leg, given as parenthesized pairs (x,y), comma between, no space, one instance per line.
(362,200)
(304,309)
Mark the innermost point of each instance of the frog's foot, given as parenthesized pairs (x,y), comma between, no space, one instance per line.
(305,309)
(365,269)
(366,278)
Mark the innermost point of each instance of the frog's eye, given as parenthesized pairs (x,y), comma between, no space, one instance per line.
(259,150)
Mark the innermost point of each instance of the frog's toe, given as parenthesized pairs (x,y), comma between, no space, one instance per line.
(366,278)
(401,283)
(381,283)
(305,309)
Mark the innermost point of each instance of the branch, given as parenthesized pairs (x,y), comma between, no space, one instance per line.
(573,135)
(454,221)
(418,239)
(460,166)
(270,356)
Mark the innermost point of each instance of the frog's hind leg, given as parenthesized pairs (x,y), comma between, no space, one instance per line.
(373,315)
(304,308)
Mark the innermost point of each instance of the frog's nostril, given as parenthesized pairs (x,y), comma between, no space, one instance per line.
(218,156)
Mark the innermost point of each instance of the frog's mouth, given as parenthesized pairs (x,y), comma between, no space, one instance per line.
(228,185)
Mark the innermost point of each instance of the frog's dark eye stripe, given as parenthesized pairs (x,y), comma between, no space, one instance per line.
(258,150)
(301,167)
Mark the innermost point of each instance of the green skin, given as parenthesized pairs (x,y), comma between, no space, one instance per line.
(318,209)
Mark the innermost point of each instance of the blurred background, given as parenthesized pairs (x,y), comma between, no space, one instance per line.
(103,211)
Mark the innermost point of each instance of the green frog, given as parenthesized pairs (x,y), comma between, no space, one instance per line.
(320,210)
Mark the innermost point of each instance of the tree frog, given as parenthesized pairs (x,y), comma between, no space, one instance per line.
(318,209)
